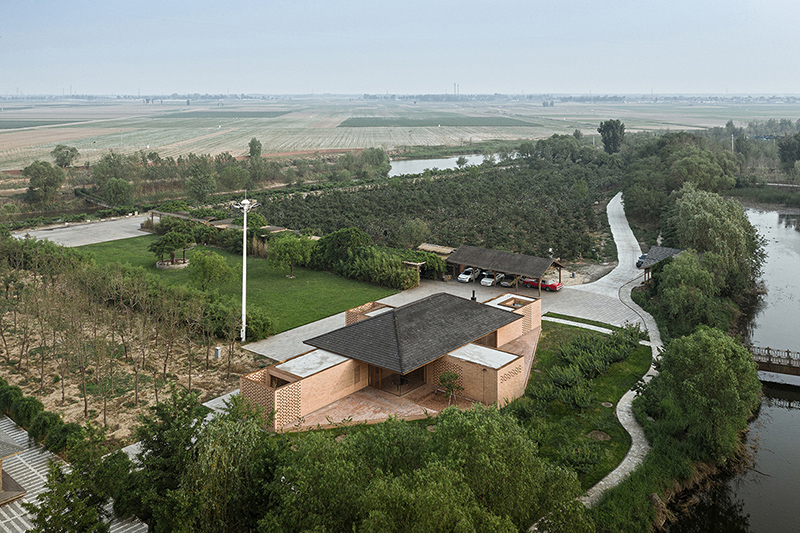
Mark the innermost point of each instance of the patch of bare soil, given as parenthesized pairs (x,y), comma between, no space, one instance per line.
(23,138)
(121,411)
(599,435)
(581,272)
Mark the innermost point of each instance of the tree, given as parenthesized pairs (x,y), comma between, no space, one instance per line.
(227,487)
(233,178)
(690,294)
(201,186)
(789,151)
(288,249)
(64,155)
(255,148)
(74,501)
(578,134)
(45,181)
(706,391)
(118,192)
(461,162)
(612,132)
(209,268)
(708,223)
(413,233)
(170,243)
(449,381)
(113,165)
(168,436)
(61,509)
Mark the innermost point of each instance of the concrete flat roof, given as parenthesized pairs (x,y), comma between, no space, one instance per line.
(482,355)
(310,363)
(379,311)
(497,301)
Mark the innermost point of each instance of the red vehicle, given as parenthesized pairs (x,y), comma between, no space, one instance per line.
(546,285)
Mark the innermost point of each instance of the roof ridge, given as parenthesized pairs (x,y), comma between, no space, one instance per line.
(400,350)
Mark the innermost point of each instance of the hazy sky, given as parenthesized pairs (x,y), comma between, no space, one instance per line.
(408,46)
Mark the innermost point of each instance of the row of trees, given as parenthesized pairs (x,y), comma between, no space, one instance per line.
(348,252)
(672,184)
(471,470)
(695,410)
(102,333)
(541,203)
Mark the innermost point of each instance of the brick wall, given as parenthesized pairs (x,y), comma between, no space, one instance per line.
(333,384)
(254,388)
(509,332)
(511,381)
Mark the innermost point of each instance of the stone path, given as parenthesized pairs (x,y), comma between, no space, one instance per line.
(622,280)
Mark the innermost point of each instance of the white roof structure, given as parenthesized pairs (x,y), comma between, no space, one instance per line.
(483,355)
(310,363)
(509,301)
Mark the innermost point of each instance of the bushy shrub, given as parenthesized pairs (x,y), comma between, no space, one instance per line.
(259,325)
(42,424)
(565,376)
(58,436)
(581,457)
(579,396)
(24,409)
(8,395)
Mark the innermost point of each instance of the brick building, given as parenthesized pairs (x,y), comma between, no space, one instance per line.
(490,346)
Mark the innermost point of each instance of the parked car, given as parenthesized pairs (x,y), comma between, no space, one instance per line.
(508,281)
(545,284)
(488,278)
(469,274)
(640,261)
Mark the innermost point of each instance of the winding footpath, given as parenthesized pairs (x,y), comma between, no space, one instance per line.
(617,286)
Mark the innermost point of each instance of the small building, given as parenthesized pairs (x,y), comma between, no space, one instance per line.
(490,346)
(655,255)
(10,490)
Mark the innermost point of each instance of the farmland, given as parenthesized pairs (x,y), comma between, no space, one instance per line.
(289,125)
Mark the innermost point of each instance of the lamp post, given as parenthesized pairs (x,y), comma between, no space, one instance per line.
(246,206)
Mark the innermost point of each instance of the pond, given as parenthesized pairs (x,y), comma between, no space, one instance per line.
(417,166)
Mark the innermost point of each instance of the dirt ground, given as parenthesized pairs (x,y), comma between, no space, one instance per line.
(121,411)
(584,272)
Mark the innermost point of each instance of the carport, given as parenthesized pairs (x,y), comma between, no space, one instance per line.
(506,262)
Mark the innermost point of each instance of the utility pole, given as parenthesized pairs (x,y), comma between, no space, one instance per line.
(246,206)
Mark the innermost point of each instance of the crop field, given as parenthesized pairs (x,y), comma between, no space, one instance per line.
(290,125)
(452,120)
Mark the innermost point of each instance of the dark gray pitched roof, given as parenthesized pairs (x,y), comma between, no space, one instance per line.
(7,446)
(415,334)
(506,262)
(658,254)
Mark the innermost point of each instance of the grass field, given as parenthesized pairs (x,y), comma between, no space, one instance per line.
(568,427)
(312,295)
(173,128)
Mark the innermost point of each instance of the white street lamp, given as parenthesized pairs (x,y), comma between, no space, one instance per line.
(246,206)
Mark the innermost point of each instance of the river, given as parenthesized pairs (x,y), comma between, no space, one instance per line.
(764,498)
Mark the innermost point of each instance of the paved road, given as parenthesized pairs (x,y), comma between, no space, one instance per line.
(79,234)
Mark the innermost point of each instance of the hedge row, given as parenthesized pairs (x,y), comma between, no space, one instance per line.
(28,412)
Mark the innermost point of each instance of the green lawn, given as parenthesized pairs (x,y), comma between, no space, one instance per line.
(562,426)
(312,295)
